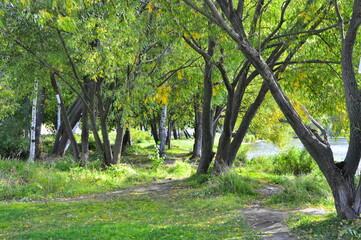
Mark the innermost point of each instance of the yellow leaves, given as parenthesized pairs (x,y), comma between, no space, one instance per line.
(180,75)
(302,76)
(66,23)
(305,16)
(162,94)
(150,7)
(224,38)
(196,35)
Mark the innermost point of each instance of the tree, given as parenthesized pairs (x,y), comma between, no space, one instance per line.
(340,177)
(240,78)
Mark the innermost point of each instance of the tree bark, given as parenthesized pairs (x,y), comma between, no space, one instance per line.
(197,146)
(39,121)
(162,130)
(65,118)
(207,118)
(85,125)
(74,115)
(118,144)
(33,123)
(340,179)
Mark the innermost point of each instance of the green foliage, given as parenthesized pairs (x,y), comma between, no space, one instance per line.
(20,180)
(293,161)
(351,231)
(241,157)
(325,227)
(155,159)
(140,136)
(13,143)
(290,161)
(231,183)
(304,189)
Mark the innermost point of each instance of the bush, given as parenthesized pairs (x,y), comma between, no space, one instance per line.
(139,136)
(231,182)
(293,161)
(241,157)
(304,189)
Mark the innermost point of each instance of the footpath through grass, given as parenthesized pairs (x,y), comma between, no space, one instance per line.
(178,212)
(197,207)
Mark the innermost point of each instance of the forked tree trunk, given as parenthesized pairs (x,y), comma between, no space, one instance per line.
(341,179)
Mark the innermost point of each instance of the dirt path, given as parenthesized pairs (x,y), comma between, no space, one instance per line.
(271,222)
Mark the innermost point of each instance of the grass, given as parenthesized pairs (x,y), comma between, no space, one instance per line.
(198,207)
(186,211)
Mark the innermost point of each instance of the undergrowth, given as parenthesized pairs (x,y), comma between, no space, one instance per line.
(20,180)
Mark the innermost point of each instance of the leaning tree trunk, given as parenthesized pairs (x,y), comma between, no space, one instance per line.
(74,115)
(66,120)
(341,178)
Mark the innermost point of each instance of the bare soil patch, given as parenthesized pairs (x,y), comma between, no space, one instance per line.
(271,222)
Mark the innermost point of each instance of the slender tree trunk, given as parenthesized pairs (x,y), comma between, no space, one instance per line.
(197,146)
(169,134)
(33,123)
(39,121)
(85,129)
(154,130)
(175,133)
(66,120)
(126,140)
(93,116)
(162,131)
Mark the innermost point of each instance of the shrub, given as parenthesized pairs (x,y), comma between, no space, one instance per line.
(241,157)
(293,161)
(231,182)
(139,136)
(304,189)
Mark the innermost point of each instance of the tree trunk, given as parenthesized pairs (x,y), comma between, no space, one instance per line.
(74,115)
(207,118)
(126,140)
(154,131)
(33,123)
(39,121)
(66,120)
(85,125)
(197,146)
(118,145)
(162,131)
(169,134)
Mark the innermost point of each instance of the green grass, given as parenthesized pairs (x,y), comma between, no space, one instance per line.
(20,180)
(179,215)
(199,207)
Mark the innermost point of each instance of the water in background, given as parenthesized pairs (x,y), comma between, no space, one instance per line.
(260,148)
